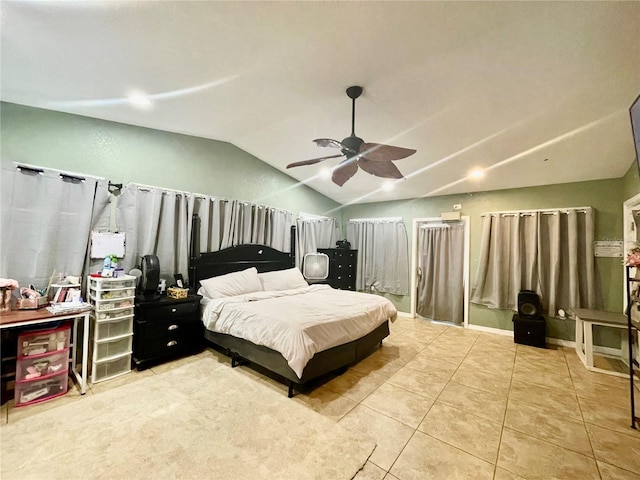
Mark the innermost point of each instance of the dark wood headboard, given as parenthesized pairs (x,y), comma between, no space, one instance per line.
(234,259)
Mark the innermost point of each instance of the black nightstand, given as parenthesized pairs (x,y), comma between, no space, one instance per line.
(166,328)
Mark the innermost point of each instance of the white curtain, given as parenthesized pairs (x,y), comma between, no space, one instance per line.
(440,289)
(46,222)
(155,222)
(313,232)
(383,260)
(550,252)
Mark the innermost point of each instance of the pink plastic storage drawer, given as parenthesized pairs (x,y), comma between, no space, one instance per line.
(36,367)
(44,341)
(40,390)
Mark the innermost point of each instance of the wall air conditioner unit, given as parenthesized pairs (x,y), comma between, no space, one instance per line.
(315,266)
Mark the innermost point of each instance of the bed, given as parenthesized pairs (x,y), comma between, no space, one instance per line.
(236,268)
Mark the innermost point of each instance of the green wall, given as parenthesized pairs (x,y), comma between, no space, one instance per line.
(631,182)
(605,196)
(124,153)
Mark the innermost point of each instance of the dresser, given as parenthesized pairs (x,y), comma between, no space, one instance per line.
(166,328)
(342,267)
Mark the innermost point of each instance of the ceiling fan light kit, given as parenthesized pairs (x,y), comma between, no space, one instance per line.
(374,158)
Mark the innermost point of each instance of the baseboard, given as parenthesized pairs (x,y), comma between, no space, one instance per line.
(614,352)
(404,314)
(497,331)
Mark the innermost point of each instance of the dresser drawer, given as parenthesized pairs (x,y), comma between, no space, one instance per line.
(166,326)
(159,312)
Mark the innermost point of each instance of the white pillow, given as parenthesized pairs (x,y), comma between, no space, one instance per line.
(236,283)
(282,280)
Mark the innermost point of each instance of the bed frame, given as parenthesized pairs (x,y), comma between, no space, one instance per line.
(266,259)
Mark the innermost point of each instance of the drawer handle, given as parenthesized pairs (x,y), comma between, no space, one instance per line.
(172,343)
(173,327)
(174,310)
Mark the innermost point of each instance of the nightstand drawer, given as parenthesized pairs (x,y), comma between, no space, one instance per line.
(172,342)
(167,326)
(173,310)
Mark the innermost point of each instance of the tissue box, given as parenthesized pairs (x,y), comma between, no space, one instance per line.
(176,292)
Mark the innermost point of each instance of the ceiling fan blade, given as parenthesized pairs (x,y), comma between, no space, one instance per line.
(328,142)
(344,171)
(377,152)
(380,169)
(313,161)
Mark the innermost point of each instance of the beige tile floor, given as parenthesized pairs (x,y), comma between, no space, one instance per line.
(447,403)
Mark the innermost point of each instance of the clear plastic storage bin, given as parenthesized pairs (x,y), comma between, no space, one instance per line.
(46,341)
(114,304)
(114,314)
(113,327)
(35,367)
(106,369)
(97,283)
(106,349)
(36,391)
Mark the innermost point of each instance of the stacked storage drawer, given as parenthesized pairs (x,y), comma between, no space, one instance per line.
(42,366)
(112,300)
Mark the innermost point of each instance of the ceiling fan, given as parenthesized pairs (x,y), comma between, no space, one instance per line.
(373,158)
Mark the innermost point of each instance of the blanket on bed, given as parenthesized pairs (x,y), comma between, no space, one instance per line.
(298,323)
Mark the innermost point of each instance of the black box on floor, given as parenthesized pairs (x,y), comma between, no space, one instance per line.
(529,331)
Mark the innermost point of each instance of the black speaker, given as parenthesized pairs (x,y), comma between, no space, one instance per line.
(529,305)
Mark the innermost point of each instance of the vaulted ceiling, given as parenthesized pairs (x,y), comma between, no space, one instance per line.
(531,93)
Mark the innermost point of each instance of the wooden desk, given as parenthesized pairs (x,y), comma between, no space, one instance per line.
(22,318)
(585,320)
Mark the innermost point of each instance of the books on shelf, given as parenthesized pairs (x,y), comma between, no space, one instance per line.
(66,293)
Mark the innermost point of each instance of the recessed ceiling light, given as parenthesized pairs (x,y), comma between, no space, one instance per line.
(477,173)
(139,100)
(325,172)
(387,186)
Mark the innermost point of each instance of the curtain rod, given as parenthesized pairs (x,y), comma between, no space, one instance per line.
(379,219)
(60,173)
(541,210)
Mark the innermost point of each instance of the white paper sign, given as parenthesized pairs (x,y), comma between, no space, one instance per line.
(107,243)
(608,248)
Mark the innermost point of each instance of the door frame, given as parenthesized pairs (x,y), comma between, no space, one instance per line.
(414,264)
(628,226)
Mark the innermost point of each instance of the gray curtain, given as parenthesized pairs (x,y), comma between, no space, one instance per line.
(155,221)
(313,232)
(46,223)
(440,294)
(550,252)
(383,260)
(159,222)
(272,227)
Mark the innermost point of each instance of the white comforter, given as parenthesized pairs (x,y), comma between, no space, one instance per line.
(300,322)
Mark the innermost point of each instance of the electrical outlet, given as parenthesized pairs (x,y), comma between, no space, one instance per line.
(457,206)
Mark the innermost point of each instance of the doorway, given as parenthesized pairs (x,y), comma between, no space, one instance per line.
(440,270)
